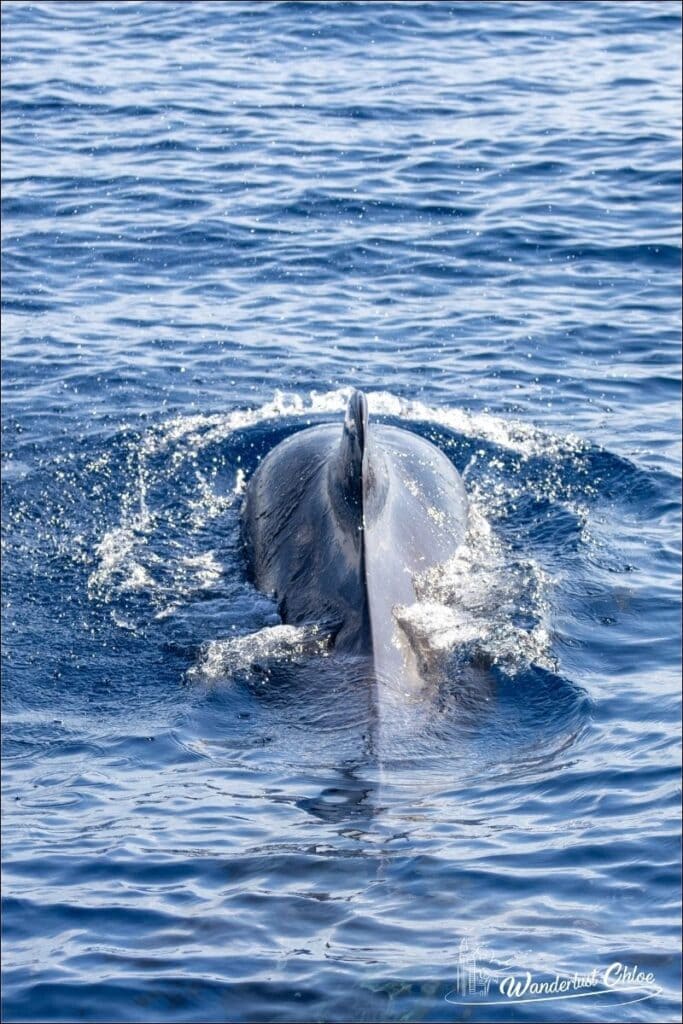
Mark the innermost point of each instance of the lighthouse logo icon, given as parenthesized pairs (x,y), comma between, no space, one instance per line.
(469,980)
(466,971)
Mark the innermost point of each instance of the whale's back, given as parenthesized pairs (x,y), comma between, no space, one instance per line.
(338,526)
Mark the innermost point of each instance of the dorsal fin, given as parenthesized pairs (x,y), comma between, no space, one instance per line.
(356,425)
(352,447)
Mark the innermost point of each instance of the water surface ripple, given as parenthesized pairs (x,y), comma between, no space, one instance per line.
(217,218)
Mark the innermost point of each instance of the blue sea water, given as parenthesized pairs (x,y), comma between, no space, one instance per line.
(217,219)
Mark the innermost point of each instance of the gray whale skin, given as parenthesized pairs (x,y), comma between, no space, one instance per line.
(338,523)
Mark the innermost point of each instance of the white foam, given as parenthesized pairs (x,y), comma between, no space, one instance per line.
(201,430)
(208,504)
(469,604)
(118,569)
(221,659)
(205,568)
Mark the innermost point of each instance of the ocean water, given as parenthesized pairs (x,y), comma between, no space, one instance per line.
(218,218)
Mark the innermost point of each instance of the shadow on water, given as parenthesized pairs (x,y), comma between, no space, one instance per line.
(351,802)
(332,725)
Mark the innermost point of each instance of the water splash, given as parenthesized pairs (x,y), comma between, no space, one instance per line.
(199,430)
(470,607)
(221,659)
(486,603)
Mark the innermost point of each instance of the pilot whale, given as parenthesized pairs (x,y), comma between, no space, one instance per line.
(339,524)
